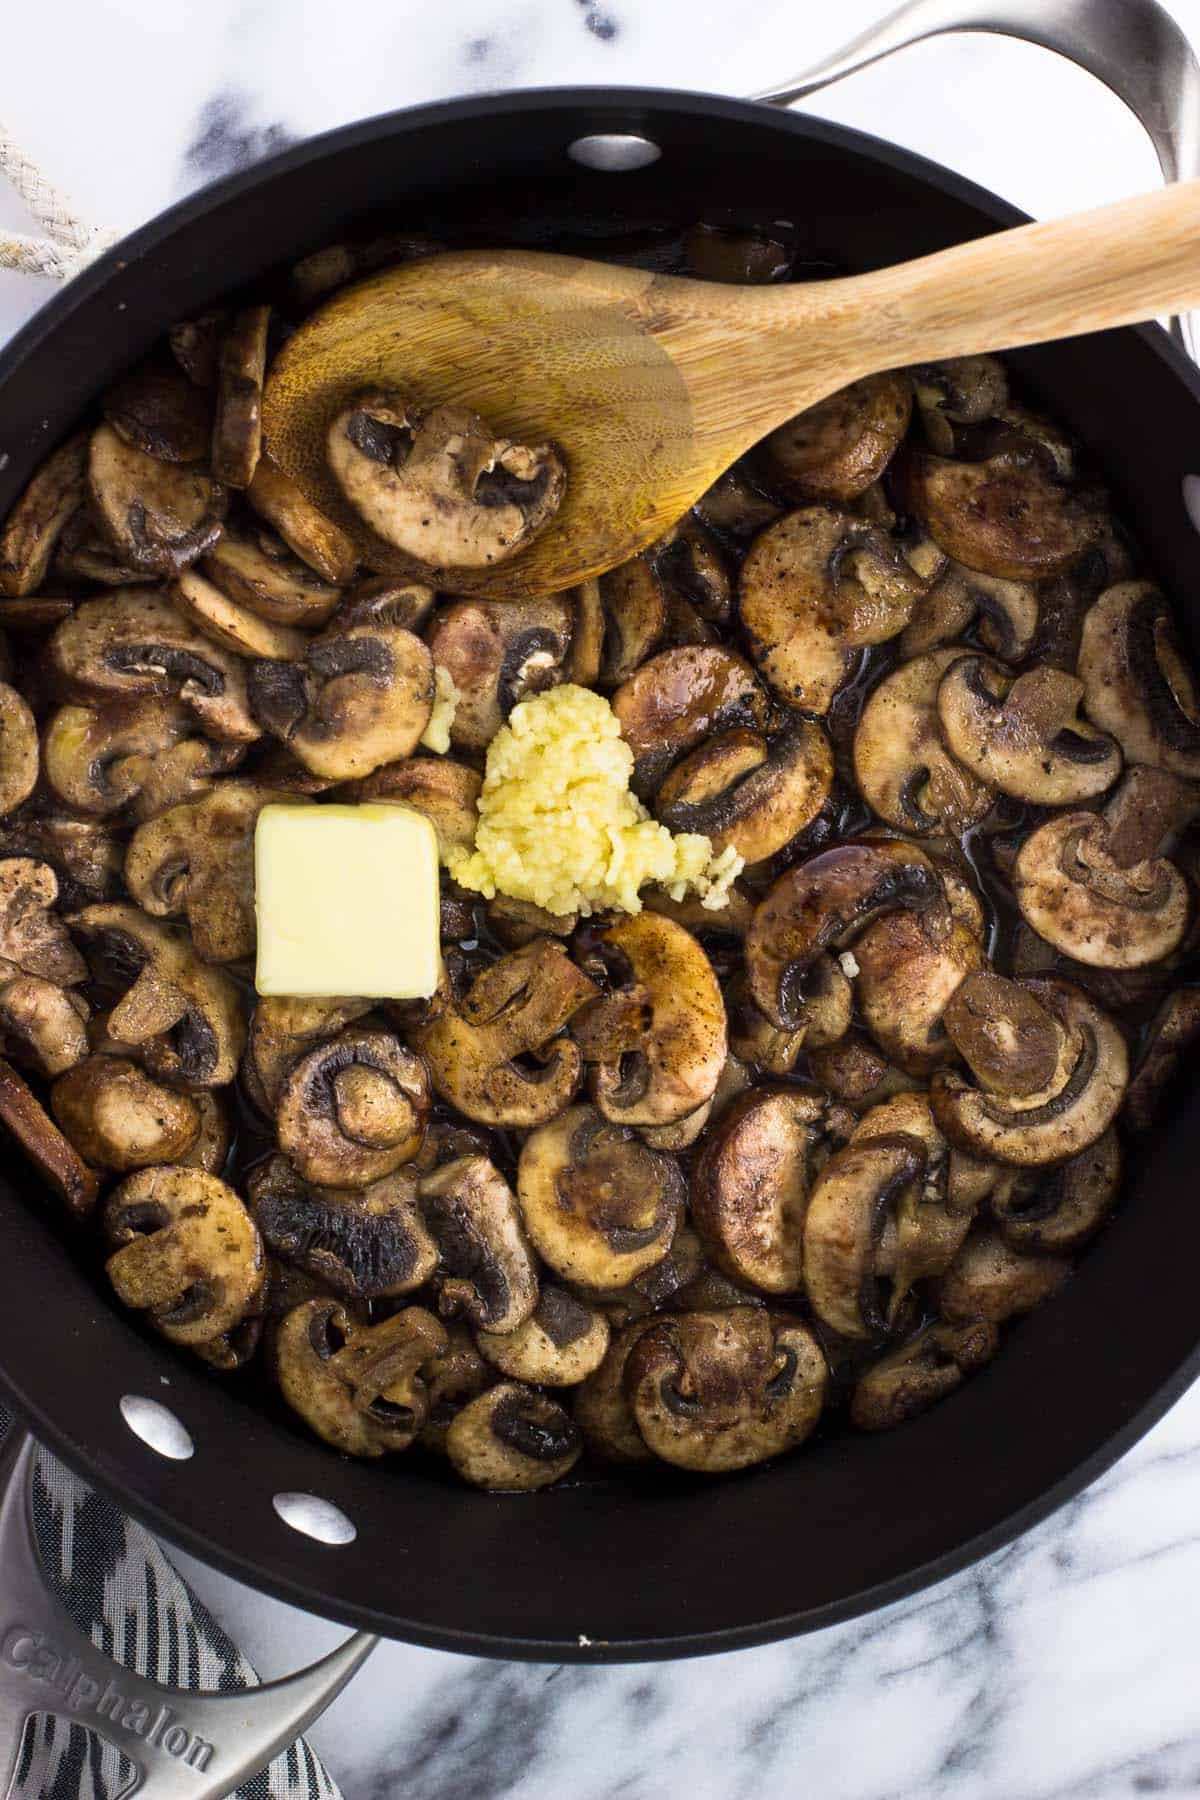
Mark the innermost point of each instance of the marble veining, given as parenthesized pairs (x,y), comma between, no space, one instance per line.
(1063,1666)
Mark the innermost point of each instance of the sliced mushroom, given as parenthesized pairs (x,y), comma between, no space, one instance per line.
(83,555)
(158,516)
(475,1048)
(42,1025)
(560,1345)
(856,1072)
(497,652)
(283,1030)
(118,1117)
(990,1280)
(368,1242)
(85,856)
(133,642)
(363,1388)
(658,1039)
(1002,614)
(195,344)
(185,1251)
(353,1109)
(1051,1067)
(446,792)
(1011,515)
(197,859)
(305,530)
(1057,1211)
(836,449)
(33,527)
(632,619)
(962,390)
(230,623)
(361,697)
(815,588)
(600,1206)
(909,966)
(920,1373)
(141,755)
(858,1194)
(903,769)
(257,571)
(179,1017)
(690,561)
(452,1379)
(714,1391)
(210,1151)
(33,939)
(438,484)
(1136,680)
(721,931)
(823,903)
(679,699)
(241,366)
(513,1440)
(321,271)
(750,1187)
(18,750)
(158,411)
(388,600)
(747,792)
(587,633)
(56,1160)
(601,1410)
(734,504)
(1024,735)
(487,1273)
(929,1219)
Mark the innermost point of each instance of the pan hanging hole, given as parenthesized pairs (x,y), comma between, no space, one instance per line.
(614,152)
(157,1427)
(315,1518)
(1191,498)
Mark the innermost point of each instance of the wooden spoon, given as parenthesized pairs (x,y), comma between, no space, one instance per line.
(652,385)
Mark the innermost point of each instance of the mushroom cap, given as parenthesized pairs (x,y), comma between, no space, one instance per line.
(142,755)
(921,1372)
(1010,515)
(910,965)
(751,1184)
(282,1030)
(497,652)
(258,571)
(158,516)
(33,527)
(860,1188)
(512,1439)
(446,792)
(1058,1210)
(363,1388)
(19,759)
(438,485)
(237,426)
(369,1242)
(158,411)
(185,1251)
(681,698)
(305,530)
(747,792)
(836,449)
(42,1024)
(118,1117)
(559,1345)
(1024,735)
(487,1271)
(38,1137)
(228,622)
(1004,614)
(822,1003)
(600,1206)
(353,1109)
(1076,896)
(602,1412)
(33,938)
(990,1280)
(1136,681)
(902,767)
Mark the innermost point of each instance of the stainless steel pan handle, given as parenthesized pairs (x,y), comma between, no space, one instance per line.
(179,1744)
(1133,46)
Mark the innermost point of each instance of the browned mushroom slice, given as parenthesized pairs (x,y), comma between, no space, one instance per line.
(487,1271)
(858,1193)
(496,652)
(1136,680)
(840,446)
(119,1118)
(158,411)
(353,1110)
(144,755)
(133,642)
(1010,515)
(362,1388)
(1004,614)
(587,633)
(1173,1028)
(321,271)
(438,484)
(721,932)
(361,697)
(452,1379)
(903,769)
(1051,1066)
(185,1251)
(198,859)
(33,527)
(230,623)
(560,1345)
(962,390)
(815,589)
(1024,735)
(751,1184)
(512,1440)
(1058,1210)
(83,555)
(599,1205)
(925,1370)
(909,967)
(180,1018)
(476,1048)
(601,1410)
(690,561)
(633,619)
(733,504)
(85,856)
(929,1219)
(158,516)
(195,344)
(284,1030)
(992,1281)
(258,571)
(305,530)
(681,697)
(657,1040)
(713,1391)
(368,1242)
(56,1161)
(824,903)
(446,792)
(747,792)
(856,1072)
(42,1025)
(33,938)
(18,750)
(237,428)
(210,1151)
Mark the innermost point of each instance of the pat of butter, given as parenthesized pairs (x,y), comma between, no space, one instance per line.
(347,901)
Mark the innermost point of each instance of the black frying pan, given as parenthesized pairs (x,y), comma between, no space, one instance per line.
(607,1569)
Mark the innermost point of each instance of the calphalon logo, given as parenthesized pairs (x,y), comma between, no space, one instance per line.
(34,1655)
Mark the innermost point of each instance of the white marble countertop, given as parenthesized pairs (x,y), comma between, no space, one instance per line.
(1064,1665)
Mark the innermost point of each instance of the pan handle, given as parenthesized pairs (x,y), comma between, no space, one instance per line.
(1133,46)
(179,1744)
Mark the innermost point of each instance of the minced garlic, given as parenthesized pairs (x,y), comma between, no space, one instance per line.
(559,826)
(436,735)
